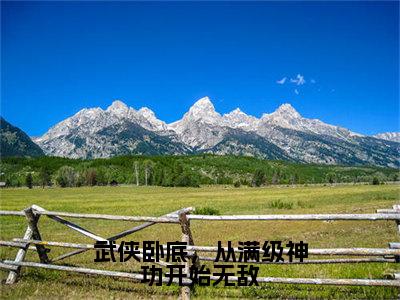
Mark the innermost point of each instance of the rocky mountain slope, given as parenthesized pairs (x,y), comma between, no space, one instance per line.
(283,134)
(97,133)
(15,142)
(389,136)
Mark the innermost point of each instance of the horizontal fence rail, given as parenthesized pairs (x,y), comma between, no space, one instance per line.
(133,276)
(315,261)
(110,217)
(327,251)
(323,281)
(394,245)
(186,281)
(32,240)
(12,213)
(308,217)
(393,215)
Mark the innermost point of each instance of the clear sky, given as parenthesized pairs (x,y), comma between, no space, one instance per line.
(340,59)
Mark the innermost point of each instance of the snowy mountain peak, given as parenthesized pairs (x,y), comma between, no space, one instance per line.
(118,107)
(287,110)
(389,136)
(235,112)
(238,119)
(287,117)
(88,112)
(202,114)
(147,113)
(203,104)
(153,123)
(204,110)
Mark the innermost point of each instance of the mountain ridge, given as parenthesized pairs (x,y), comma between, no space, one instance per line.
(15,142)
(283,134)
(389,136)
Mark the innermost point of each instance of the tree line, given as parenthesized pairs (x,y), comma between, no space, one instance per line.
(180,171)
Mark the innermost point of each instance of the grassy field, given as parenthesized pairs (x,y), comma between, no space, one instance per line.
(155,201)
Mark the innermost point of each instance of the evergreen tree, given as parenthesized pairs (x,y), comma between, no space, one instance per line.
(395,177)
(29,180)
(259,178)
(330,177)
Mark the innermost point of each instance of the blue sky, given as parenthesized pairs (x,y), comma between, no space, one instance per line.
(59,57)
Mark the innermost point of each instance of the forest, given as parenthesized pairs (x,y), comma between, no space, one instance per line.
(171,171)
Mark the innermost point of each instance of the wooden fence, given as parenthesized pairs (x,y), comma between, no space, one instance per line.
(32,240)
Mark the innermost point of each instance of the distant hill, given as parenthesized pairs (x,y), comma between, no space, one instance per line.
(15,142)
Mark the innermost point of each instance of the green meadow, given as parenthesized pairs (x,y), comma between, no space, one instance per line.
(156,201)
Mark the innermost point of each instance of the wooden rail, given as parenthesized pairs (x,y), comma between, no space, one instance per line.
(32,240)
(326,251)
(393,215)
(133,276)
(315,261)
(309,217)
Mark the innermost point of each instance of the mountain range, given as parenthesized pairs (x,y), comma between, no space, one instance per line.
(283,134)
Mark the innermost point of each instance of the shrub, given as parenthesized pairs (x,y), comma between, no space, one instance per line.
(375,181)
(278,204)
(303,204)
(236,184)
(259,178)
(207,210)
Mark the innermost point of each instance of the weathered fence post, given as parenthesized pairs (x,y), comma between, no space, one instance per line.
(13,275)
(397,208)
(187,238)
(32,232)
(33,224)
